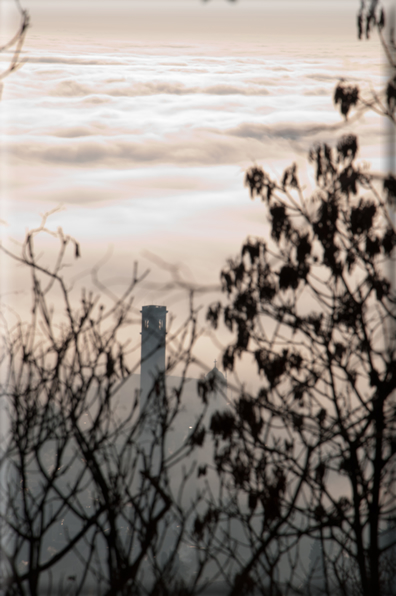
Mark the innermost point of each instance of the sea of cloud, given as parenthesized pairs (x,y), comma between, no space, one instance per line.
(145,144)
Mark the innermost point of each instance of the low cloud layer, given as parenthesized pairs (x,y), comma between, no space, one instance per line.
(71,88)
(150,148)
(82,147)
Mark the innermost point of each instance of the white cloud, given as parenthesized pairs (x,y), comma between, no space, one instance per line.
(72,88)
(146,145)
(73,61)
(194,149)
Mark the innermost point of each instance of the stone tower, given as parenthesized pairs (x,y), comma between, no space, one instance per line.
(152,348)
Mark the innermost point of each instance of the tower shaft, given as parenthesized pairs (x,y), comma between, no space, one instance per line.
(152,367)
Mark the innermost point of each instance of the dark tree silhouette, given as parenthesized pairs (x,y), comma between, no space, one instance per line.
(88,499)
(14,45)
(370,18)
(87,496)
(312,454)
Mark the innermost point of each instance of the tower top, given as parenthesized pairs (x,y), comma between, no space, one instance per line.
(217,374)
(154,309)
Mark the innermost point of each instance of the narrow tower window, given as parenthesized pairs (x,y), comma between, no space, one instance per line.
(146,323)
(160,324)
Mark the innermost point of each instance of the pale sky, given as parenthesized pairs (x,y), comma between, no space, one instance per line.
(141,117)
